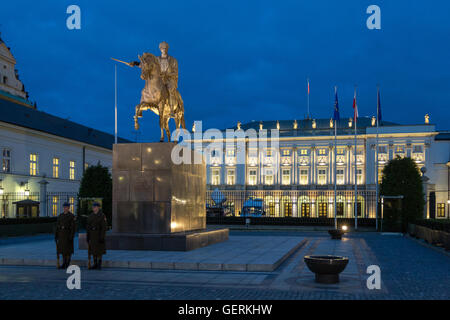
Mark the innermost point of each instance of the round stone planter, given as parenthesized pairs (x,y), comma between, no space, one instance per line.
(326,268)
(336,233)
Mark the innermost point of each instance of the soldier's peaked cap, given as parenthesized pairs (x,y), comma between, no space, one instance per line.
(96,204)
(66,204)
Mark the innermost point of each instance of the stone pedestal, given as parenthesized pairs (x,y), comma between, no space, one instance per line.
(157,205)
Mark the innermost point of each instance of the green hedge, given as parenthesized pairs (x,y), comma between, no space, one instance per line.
(9,221)
(435,224)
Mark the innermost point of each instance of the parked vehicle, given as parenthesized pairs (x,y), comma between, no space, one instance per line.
(253,208)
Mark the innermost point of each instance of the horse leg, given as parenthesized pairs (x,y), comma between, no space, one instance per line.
(161,126)
(167,129)
(136,123)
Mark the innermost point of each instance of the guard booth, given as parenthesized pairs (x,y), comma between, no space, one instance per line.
(27,209)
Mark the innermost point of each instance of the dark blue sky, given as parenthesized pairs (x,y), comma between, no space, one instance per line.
(238,60)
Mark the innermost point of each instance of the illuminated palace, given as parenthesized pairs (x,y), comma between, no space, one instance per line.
(297,178)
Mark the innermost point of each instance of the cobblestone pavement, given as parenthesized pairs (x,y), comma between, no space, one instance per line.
(409,270)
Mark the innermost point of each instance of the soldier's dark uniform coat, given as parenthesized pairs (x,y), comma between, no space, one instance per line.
(64,234)
(96,231)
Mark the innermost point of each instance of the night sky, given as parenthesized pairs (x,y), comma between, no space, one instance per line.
(238,60)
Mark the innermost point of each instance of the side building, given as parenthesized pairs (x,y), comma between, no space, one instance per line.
(42,157)
(296,178)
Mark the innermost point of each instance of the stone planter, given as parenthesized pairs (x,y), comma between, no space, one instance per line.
(326,268)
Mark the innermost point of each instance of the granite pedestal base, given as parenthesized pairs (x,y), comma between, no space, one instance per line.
(182,241)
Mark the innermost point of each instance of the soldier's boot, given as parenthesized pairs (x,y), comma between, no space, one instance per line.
(64,265)
(99,266)
(68,261)
(95,266)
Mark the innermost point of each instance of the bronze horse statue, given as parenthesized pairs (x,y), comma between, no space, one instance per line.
(156,96)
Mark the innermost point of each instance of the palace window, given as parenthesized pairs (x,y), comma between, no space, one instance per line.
(382,154)
(215,176)
(55,200)
(322,176)
(230,153)
(322,151)
(286,177)
(268,177)
(340,178)
(252,177)
(55,167)
(340,151)
(72,170)
(231,176)
(400,151)
(33,164)
(303,152)
(268,152)
(303,176)
(6,161)
(441,210)
(286,152)
(359,176)
(72,204)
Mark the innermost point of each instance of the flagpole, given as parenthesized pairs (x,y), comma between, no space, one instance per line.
(376,165)
(356,166)
(335,151)
(115,103)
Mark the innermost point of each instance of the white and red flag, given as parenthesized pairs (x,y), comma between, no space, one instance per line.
(355,108)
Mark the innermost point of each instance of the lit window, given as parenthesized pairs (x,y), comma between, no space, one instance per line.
(33,164)
(303,177)
(340,179)
(418,149)
(215,176)
(304,152)
(72,170)
(72,202)
(55,200)
(322,151)
(286,177)
(230,152)
(231,176)
(269,153)
(380,174)
(340,151)
(441,210)
(252,176)
(6,161)
(322,176)
(268,178)
(286,152)
(55,168)
(359,175)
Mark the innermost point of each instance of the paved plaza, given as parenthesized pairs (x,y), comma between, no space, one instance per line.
(409,270)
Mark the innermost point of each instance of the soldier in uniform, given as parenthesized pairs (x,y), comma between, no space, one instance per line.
(96,231)
(64,234)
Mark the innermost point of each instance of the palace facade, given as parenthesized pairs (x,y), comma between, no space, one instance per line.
(297,177)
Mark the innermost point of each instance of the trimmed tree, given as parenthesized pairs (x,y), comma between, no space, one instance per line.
(97,183)
(401,176)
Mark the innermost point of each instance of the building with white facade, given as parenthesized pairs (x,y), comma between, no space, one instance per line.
(42,157)
(297,177)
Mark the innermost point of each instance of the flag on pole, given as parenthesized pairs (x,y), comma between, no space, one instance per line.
(355,108)
(378,106)
(308,85)
(336,106)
